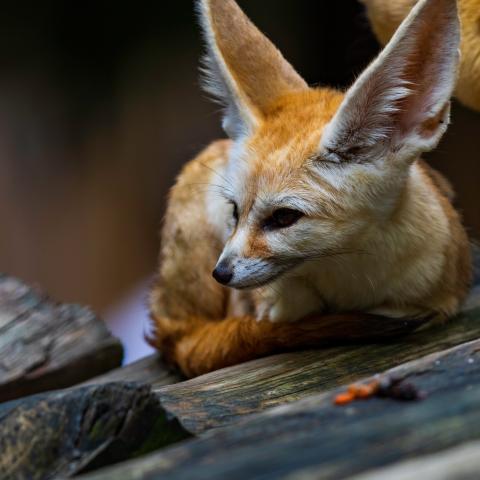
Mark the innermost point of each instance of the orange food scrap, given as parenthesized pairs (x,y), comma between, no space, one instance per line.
(387,387)
(367,391)
(353,388)
(357,392)
(344,398)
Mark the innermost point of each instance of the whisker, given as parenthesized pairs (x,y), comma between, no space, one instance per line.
(273,289)
(216,173)
(221,190)
(337,253)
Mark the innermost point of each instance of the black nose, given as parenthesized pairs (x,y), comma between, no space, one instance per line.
(223,273)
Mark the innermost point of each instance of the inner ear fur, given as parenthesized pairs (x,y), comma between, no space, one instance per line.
(400,103)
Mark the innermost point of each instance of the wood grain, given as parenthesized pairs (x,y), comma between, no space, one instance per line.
(45,345)
(149,370)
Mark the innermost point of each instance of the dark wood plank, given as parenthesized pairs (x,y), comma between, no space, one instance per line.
(313,438)
(150,370)
(59,434)
(46,345)
(223,397)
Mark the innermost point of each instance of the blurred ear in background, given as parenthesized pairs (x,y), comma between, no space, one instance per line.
(100,107)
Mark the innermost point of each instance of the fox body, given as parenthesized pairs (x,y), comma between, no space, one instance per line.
(386,15)
(317,214)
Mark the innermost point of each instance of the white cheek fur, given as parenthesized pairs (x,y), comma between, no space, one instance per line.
(251,271)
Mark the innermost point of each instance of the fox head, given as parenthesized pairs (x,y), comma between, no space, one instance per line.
(312,170)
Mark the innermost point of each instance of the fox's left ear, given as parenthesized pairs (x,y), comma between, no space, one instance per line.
(400,106)
(244,70)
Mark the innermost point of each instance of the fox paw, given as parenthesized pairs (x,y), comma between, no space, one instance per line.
(294,307)
(280,312)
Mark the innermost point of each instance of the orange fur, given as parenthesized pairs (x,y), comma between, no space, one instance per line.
(198,345)
(388,240)
(244,37)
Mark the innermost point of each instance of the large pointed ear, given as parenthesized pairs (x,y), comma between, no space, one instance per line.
(243,69)
(400,106)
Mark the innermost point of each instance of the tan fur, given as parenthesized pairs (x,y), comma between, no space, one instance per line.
(400,252)
(386,15)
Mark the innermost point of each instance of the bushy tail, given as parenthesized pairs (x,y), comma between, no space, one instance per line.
(198,346)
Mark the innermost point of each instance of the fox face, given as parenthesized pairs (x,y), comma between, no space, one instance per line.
(312,171)
(289,203)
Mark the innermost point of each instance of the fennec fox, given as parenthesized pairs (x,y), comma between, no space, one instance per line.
(317,217)
(386,15)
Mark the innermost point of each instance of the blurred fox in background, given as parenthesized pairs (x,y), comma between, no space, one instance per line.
(318,213)
(386,15)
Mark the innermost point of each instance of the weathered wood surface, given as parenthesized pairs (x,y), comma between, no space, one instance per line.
(150,370)
(223,397)
(313,438)
(459,463)
(59,434)
(46,345)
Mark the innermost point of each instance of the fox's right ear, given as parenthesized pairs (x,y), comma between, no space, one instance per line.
(399,107)
(243,70)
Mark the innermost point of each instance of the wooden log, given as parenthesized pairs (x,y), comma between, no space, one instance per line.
(222,397)
(150,370)
(45,345)
(315,439)
(60,434)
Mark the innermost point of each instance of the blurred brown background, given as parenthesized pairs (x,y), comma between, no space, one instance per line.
(100,106)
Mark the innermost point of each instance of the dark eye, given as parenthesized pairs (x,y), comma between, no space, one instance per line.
(282,218)
(235,211)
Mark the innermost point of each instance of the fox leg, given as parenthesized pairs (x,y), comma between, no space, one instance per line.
(198,346)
